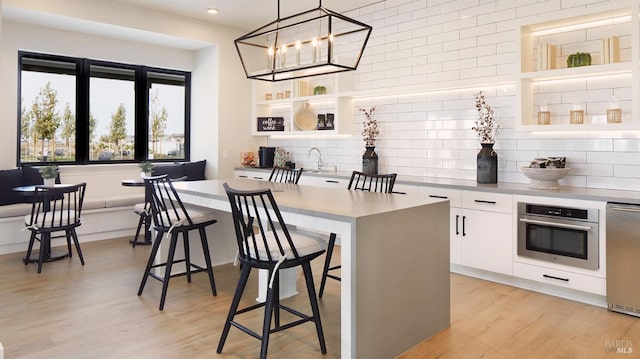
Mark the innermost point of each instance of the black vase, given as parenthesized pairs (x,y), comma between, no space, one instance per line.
(370,161)
(487,171)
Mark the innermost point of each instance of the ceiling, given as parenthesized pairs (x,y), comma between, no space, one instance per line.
(245,14)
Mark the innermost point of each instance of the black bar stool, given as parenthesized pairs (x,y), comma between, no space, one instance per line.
(265,242)
(171,218)
(359,181)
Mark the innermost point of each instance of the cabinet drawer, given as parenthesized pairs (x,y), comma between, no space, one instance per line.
(332,182)
(560,278)
(452,195)
(486,201)
(263,176)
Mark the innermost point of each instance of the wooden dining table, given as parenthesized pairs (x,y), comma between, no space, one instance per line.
(394,255)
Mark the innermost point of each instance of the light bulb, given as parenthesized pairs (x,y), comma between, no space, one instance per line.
(314,45)
(283,56)
(270,51)
(298,46)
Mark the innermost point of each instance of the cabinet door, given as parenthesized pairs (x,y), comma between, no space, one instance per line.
(486,240)
(306,180)
(455,235)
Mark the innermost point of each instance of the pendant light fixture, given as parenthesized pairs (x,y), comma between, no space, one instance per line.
(314,42)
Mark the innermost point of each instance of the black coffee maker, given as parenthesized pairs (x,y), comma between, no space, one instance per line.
(265,155)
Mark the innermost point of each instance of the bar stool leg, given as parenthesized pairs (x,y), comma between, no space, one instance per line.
(167,268)
(207,258)
(266,324)
(242,283)
(308,277)
(327,263)
(30,248)
(187,256)
(152,256)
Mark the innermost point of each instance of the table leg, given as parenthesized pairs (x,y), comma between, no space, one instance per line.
(147,234)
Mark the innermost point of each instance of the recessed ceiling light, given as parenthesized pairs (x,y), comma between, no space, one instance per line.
(212,11)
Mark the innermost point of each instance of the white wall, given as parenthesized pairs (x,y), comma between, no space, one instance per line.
(467,43)
(112,31)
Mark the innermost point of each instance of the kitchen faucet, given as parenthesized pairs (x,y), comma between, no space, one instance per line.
(320,163)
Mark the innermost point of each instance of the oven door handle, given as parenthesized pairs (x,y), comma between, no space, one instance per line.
(625,208)
(555,224)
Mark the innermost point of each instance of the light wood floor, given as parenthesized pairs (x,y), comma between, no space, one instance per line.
(70,311)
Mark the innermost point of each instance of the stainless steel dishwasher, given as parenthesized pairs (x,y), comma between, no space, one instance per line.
(623,258)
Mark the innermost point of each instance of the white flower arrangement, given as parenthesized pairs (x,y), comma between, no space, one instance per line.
(486,127)
(370,127)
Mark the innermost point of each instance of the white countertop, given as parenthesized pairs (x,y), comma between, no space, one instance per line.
(582,193)
(311,200)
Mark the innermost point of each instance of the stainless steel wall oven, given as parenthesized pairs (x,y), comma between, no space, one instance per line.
(562,235)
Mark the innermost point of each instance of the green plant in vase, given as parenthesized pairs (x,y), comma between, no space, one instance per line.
(145,167)
(49,174)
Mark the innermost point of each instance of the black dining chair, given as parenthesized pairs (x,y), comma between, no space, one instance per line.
(285,175)
(54,209)
(360,181)
(170,217)
(265,242)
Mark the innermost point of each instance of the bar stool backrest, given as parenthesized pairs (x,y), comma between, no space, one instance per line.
(382,183)
(260,228)
(167,210)
(285,175)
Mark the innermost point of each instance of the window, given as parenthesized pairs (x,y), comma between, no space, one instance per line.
(85,111)
(166,115)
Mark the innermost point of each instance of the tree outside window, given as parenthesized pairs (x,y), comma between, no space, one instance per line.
(82,111)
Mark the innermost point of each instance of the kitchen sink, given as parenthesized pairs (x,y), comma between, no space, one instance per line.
(319,171)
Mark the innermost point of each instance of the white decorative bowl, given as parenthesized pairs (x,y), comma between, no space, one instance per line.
(544,178)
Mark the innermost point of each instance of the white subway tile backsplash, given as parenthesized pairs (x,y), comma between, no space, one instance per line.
(433,19)
(625,171)
(478,31)
(591,169)
(435,43)
(539,145)
(512,4)
(540,7)
(624,184)
(587,145)
(626,145)
(444,76)
(464,44)
(462,23)
(497,16)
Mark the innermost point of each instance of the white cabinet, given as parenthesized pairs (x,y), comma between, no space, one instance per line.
(549,89)
(560,278)
(257,175)
(302,102)
(485,231)
(481,228)
(454,217)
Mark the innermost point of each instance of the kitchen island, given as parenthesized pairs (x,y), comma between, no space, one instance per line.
(395,258)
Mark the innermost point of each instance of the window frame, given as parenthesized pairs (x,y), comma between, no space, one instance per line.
(141,117)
